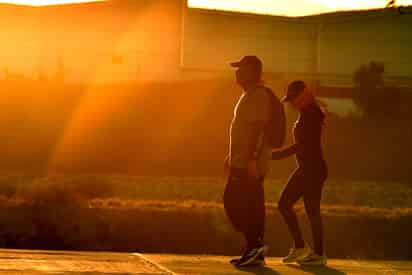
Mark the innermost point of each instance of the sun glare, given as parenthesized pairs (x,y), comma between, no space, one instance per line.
(273,7)
(46,2)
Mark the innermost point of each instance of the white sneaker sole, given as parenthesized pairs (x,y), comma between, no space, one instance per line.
(292,260)
(295,259)
(322,262)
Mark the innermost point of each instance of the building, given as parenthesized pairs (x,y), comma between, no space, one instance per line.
(163,40)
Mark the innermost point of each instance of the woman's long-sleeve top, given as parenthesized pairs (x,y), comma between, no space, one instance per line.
(307,137)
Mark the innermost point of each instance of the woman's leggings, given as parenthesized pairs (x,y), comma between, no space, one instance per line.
(308,184)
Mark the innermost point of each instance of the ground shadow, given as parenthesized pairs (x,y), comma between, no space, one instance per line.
(316,270)
(259,270)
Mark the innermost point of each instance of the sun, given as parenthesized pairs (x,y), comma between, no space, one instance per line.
(45,2)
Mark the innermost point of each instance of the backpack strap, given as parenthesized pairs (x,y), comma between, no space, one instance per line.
(277,122)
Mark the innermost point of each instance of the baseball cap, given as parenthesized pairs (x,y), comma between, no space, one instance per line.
(295,88)
(250,61)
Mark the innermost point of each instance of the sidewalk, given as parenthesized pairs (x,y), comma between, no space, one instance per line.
(218,265)
(34,262)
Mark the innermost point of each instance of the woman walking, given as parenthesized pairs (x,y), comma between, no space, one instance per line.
(307,180)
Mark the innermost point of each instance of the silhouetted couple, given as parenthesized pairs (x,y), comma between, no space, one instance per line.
(257,132)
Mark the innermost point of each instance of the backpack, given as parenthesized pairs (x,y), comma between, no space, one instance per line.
(275,129)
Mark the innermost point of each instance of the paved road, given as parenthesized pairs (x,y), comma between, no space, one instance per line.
(34,262)
(217,265)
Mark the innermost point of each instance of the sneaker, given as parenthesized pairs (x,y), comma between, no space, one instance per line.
(234,261)
(265,250)
(313,259)
(296,254)
(260,260)
(251,255)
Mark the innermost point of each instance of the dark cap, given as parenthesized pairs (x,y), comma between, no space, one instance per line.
(249,61)
(295,88)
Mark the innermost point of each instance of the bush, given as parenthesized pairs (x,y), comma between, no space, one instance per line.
(90,186)
(45,193)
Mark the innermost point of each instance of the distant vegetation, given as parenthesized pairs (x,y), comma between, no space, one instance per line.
(372,95)
(83,189)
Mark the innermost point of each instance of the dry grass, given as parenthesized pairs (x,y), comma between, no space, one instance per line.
(179,215)
(196,227)
(328,210)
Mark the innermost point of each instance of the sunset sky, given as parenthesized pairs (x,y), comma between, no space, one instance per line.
(276,7)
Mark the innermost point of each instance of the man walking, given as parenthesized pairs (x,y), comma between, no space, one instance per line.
(257,127)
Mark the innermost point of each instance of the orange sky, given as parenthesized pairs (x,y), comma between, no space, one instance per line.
(284,7)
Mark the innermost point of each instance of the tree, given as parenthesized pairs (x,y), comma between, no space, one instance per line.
(369,87)
(371,95)
(391,4)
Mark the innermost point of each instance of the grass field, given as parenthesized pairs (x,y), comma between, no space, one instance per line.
(185,215)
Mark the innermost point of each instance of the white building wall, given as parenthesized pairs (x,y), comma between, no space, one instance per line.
(212,39)
(328,48)
(163,40)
